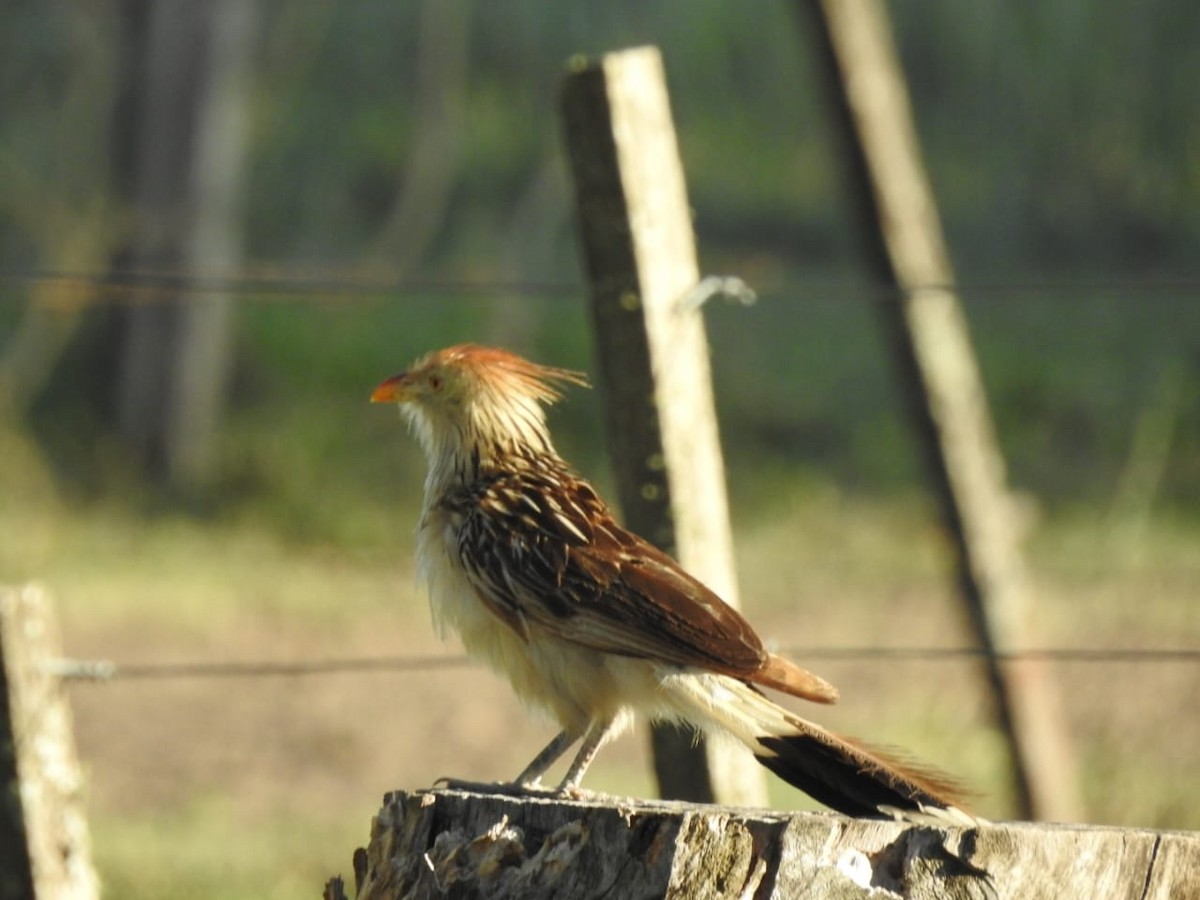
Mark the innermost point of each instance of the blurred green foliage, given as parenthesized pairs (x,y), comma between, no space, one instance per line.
(1061,139)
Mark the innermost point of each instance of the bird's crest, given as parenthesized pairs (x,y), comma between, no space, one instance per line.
(505,372)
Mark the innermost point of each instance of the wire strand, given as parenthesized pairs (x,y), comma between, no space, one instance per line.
(133,287)
(108,670)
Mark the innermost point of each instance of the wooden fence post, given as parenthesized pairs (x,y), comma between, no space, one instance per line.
(45,849)
(899,221)
(652,356)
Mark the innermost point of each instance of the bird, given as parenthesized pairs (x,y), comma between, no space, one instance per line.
(591,623)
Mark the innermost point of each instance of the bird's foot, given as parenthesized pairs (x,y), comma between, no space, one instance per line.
(516,789)
(501,788)
(575,792)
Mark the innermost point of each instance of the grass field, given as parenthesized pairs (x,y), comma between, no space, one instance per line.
(262,787)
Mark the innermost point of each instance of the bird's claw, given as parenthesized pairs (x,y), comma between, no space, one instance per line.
(574,792)
(502,788)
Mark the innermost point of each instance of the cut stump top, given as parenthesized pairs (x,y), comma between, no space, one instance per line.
(446,843)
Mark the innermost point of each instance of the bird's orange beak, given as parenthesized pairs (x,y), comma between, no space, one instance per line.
(393,390)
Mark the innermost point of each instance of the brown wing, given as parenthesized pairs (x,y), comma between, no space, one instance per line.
(543,550)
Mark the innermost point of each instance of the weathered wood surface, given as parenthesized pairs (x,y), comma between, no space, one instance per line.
(45,847)
(639,250)
(443,843)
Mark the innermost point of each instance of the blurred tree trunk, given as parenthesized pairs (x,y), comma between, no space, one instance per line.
(184,116)
(55,306)
(64,216)
(436,137)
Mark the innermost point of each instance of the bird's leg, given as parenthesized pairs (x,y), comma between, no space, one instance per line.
(527,781)
(596,738)
(549,755)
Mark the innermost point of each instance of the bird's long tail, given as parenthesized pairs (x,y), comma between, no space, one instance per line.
(841,773)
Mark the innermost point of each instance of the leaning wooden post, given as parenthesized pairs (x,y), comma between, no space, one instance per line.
(904,239)
(45,849)
(640,255)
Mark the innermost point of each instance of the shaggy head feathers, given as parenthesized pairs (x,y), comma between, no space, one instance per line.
(470,404)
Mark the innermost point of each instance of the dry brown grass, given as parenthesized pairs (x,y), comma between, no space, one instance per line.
(262,786)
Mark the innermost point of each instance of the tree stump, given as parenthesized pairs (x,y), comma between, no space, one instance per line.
(445,843)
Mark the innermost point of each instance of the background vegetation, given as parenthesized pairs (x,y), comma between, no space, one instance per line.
(404,189)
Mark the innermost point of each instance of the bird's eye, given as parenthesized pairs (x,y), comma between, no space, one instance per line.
(435,382)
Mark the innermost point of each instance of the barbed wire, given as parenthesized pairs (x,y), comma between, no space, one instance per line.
(134,287)
(108,670)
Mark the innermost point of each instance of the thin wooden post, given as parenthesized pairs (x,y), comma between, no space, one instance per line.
(45,849)
(904,241)
(16,869)
(640,256)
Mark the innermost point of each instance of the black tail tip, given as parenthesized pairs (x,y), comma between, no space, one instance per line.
(859,782)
